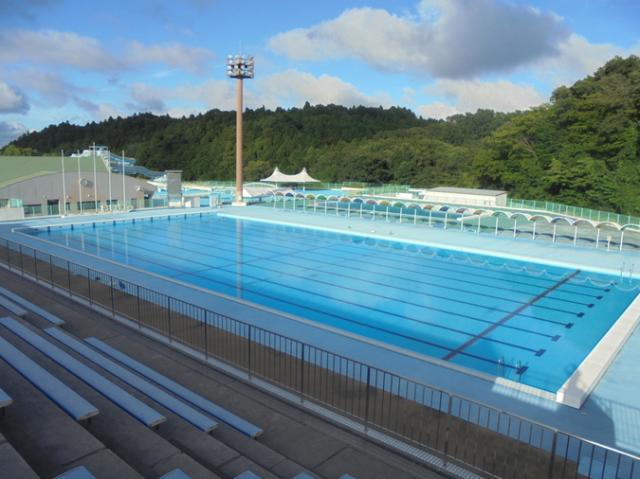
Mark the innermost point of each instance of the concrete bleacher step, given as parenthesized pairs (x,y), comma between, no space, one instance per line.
(12,464)
(12,307)
(78,472)
(221,413)
(16,298)
(247,475)
(139,448)
(235,451)
(178,407)
(5,400)
(71,402)
(126,401)
(46,437)
(204,449)
(175,474)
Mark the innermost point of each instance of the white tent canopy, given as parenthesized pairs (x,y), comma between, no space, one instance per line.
(278,177)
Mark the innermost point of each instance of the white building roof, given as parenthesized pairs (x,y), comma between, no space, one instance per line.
(278,177)
(466,191)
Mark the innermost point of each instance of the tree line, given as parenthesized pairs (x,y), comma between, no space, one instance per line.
(582,147)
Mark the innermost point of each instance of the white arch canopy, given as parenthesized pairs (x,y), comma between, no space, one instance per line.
(302,177)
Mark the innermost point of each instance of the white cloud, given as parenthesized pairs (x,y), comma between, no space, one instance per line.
(502,95)
(52,47)
(287,88)
(9,131)
(52,89)
(55,48)
(471,95)
(12,100)
(294,88)
(436,110)
(211,94)
(577,58)
(176,55)
(454,39)
(99,111)
(147,99)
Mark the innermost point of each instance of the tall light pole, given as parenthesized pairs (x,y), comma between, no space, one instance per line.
(239,67)
(64,188)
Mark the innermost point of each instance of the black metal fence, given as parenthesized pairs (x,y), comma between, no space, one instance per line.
(456,429)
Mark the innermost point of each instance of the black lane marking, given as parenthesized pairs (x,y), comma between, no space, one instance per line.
(434,262)
(306,306)
(373,263)
(471,341)
(224,268)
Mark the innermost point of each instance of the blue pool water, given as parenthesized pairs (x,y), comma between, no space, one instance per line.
(524,321)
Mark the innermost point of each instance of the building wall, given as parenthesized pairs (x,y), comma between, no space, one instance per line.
(46,189)
(465,199)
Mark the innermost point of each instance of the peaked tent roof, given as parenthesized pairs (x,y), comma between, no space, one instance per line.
(278,177)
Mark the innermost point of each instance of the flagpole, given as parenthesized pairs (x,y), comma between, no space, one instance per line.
(124,192)
(109,173)
(79,184)
(95,178)
(64,187)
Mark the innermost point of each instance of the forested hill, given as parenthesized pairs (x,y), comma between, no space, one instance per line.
(582,147)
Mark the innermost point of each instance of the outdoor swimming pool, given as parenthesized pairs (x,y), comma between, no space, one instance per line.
(527,322)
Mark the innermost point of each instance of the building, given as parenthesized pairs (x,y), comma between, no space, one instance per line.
(39,183)
(464,196)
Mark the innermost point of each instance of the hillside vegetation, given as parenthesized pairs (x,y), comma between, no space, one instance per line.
(583,147)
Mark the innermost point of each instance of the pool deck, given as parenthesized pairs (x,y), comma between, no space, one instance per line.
(611,414)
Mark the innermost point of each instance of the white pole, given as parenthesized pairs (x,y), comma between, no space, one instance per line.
(95,178)
(124,193)
(79,185)
(64,186)
(109,172)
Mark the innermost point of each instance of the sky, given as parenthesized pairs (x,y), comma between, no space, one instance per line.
(83,60)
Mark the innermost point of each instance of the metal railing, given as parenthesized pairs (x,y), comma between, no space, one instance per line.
(496,224)
(575,211)
(456,429)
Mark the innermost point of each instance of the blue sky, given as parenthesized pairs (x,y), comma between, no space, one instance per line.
(82,61)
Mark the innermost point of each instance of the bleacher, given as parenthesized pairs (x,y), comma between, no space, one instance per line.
(81,407)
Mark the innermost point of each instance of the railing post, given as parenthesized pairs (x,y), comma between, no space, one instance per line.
(21,259)
(169,316)
(366,399)
(69,277)
(302,374)
(113,309)
(206,339)
(249,350)
(89,286)
(553,454)
(51,270)
(35,262)
(138,305)
(446,431)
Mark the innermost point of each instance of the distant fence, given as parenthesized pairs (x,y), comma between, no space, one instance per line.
(451,427)
(475,220)
(575,211)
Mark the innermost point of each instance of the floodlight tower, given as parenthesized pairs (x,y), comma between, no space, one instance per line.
(239,67)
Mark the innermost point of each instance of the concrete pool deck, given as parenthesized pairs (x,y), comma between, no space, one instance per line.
(610,416)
